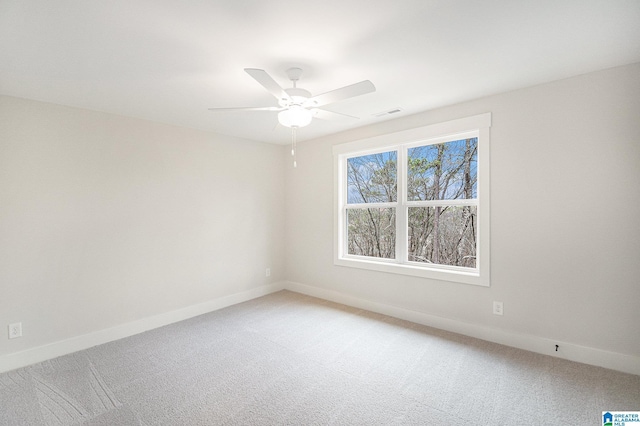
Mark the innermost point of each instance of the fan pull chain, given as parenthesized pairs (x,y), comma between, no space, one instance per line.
(293,146)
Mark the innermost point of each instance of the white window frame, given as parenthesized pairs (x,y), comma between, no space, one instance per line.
(475,126)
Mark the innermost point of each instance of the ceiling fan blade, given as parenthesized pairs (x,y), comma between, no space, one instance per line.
(246,109)
(324,114)
(268,83)
(346,92)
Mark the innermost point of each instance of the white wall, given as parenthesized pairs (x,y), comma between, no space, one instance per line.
(565,210)
(107,220)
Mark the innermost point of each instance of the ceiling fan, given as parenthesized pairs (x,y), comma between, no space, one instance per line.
(296,107)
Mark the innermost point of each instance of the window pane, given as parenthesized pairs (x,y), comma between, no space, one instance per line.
(372,232)
(445,171)
(372,178)
(443,235)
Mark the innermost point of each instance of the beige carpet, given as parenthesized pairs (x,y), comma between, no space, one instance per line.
(290,359)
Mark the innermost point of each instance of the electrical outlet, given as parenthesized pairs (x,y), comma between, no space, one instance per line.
(267,273)
(497,308)
(15,330)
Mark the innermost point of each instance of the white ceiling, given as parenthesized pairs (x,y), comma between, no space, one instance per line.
(170,60)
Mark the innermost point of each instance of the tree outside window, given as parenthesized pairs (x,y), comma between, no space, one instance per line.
(437,231)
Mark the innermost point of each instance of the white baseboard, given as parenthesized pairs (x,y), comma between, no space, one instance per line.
(74,344)
(612,360)
(615,361)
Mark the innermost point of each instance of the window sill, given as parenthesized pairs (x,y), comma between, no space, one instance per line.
(462,277)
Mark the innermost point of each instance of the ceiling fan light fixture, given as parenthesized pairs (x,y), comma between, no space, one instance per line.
(295,116)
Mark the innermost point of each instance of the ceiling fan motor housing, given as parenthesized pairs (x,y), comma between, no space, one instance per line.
(297,97)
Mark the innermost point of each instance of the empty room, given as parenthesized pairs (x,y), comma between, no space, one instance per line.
(319,213)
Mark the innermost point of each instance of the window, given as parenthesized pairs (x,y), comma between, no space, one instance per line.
(416,202)
(372,195)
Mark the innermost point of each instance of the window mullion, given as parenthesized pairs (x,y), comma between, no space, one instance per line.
(436,203)
(343,207)
(384,205)
(401,210)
